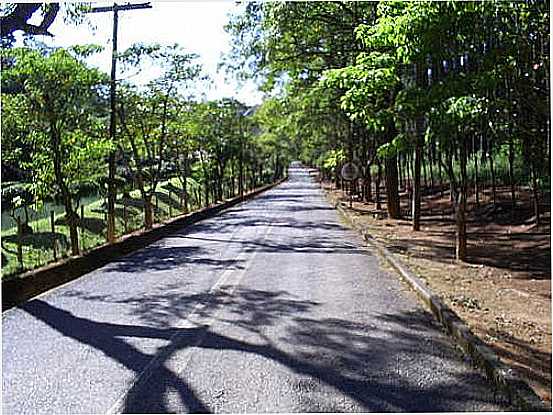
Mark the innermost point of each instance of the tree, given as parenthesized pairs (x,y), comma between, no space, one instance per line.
(147,115)
(369,90)
(184,131)
(16,16)
(61,97)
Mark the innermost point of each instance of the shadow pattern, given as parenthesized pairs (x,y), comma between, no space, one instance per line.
(353,358)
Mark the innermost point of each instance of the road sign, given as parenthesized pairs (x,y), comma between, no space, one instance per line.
(349,172)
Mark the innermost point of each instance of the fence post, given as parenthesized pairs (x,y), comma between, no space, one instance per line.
(19,242)
(106,221)
(54,239)
(125,223)
(81,222)
(170,204)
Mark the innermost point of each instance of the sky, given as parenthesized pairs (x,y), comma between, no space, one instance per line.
(196,25)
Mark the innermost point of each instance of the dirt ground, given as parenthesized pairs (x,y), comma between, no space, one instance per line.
(503,291)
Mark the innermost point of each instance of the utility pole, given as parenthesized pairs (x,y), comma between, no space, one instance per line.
(111,162)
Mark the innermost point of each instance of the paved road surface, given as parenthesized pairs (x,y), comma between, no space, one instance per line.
(274,306)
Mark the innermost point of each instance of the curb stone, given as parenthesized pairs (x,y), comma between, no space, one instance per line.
(517,390)
(32,283)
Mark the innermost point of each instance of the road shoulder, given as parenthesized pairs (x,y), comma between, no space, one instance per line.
(503,376)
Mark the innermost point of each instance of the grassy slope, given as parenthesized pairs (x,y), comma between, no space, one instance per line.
(37,247)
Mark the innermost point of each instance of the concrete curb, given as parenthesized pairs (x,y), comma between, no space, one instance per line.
(17,290)
(504,377)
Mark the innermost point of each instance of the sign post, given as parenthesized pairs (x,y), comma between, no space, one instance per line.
(349,173)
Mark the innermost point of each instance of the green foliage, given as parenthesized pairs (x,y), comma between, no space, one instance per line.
(334,158)
(55,114)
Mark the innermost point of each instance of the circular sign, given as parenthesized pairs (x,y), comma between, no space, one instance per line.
(349,172)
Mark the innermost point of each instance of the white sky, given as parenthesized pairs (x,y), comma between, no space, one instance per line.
(196,25)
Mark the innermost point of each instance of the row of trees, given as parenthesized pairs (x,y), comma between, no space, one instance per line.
(55,115)
(449,89)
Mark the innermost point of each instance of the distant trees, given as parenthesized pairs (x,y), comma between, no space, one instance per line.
(426,94)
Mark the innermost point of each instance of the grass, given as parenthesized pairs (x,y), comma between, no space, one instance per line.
(38,246)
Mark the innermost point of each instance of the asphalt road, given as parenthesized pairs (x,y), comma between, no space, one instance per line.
(273,306)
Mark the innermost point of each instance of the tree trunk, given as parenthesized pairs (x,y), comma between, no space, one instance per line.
(424,173)
(430,169)
(241,175)
(26,210)
(148,212)
(72,221)
(440,176)
(511,170)
(400,172)
(70,215)
(492,172)
(392,193)
(337,178)
(206,191)
(407,171)
(368,185)
(184,196)
(460,207)
(377,187)
(535,194)
(476,189)
(461,227)
(416,209)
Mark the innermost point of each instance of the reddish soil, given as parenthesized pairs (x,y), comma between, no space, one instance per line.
(503,291)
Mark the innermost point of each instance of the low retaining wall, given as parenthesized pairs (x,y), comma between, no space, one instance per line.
(32,283)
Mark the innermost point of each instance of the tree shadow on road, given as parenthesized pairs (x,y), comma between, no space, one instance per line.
(163,258)
(361,361)
(313,245)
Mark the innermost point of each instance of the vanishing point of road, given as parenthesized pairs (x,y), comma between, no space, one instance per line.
(272,306)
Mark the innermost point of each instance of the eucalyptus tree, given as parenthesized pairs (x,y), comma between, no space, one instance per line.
(445,52)
(222,145)
(62,101)
(453,121)
(227,142)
